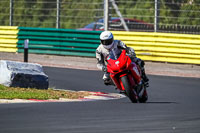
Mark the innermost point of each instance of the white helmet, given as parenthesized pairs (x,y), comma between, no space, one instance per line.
(106,38)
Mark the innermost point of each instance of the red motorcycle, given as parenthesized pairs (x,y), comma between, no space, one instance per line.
(126,75)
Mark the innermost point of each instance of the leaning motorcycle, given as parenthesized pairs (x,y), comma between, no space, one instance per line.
(126,75)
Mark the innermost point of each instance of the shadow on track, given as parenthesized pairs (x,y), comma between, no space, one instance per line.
(161,103)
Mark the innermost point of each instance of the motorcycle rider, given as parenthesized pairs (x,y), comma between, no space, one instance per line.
(102,52)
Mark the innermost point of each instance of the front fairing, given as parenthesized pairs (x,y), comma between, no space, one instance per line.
(118,62)
(121,65)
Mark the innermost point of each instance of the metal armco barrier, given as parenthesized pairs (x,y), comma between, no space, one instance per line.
(163,47)
(59,41)
(8,38)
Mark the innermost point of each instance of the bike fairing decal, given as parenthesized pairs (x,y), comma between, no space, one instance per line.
(117,62)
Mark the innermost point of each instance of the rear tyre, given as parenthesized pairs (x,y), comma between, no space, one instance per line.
(128,89)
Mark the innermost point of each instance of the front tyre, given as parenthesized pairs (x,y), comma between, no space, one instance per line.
(129,91)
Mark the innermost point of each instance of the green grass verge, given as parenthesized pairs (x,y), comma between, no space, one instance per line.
(28,93)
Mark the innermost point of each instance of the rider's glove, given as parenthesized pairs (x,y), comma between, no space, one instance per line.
(130,52)
(140,62)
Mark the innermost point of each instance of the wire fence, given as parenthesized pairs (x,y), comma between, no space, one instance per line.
(139,15)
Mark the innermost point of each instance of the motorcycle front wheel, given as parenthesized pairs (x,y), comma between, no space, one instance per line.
(128,89)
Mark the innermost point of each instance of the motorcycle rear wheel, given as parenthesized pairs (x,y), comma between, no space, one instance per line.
(129,90)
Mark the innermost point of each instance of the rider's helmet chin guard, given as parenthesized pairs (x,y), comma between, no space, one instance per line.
(107,40)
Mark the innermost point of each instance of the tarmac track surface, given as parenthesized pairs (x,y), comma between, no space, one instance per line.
(173,107)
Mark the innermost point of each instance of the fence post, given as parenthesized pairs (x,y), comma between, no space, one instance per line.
(156,17)
(58,14)
(106,14)
(26,42)
(11,13)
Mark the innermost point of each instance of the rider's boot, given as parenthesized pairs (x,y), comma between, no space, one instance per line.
(107,81)
(144,76)
(145,79)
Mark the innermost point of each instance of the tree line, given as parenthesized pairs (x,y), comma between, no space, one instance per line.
(77,13)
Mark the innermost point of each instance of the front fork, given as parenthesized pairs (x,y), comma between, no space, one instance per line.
(117,81)
(134,76)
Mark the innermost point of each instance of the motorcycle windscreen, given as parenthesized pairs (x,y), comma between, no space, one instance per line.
(116,61)
(114,54)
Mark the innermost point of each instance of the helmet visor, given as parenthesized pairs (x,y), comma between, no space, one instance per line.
(107,42)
